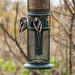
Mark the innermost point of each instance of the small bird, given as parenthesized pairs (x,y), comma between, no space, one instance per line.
(23,26)
(38,25)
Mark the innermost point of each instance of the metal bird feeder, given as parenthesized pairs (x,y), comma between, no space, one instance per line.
(38,48)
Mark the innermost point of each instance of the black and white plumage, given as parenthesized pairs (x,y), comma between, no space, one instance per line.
(23,24)
(38,25)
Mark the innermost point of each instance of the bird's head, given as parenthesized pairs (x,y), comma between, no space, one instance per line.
(23,19)
(36,19)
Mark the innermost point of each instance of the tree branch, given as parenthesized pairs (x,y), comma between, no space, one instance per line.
(15,22)
(13,40)
(61,13)
(10,47)
(1,25)
(66,3)
(60,24)
(73,1)
(58,42)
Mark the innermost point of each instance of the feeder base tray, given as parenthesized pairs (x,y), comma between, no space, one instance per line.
(38,66)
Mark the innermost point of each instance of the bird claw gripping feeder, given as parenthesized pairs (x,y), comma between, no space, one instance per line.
(38,35)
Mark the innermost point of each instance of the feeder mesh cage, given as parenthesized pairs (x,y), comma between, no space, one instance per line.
(34,50)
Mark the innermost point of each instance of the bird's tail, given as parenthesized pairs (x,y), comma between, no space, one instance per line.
(20,38)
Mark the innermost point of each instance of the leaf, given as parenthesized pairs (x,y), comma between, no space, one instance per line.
(21,65)
(9,66)
(1,63)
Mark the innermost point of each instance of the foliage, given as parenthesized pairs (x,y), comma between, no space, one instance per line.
(7,65)
(26,72)
(1,63)
(57,65)
(23,70)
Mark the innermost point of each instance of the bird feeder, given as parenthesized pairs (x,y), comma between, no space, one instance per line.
(38,48)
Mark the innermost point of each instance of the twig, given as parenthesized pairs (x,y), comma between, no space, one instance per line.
(1,25)
(70,44)
(73,44)
(66,3)
(10,47)
(60,43)
(60,24)
(15,22)
(73,8)
(61,13)
(73,1)
(13,40)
